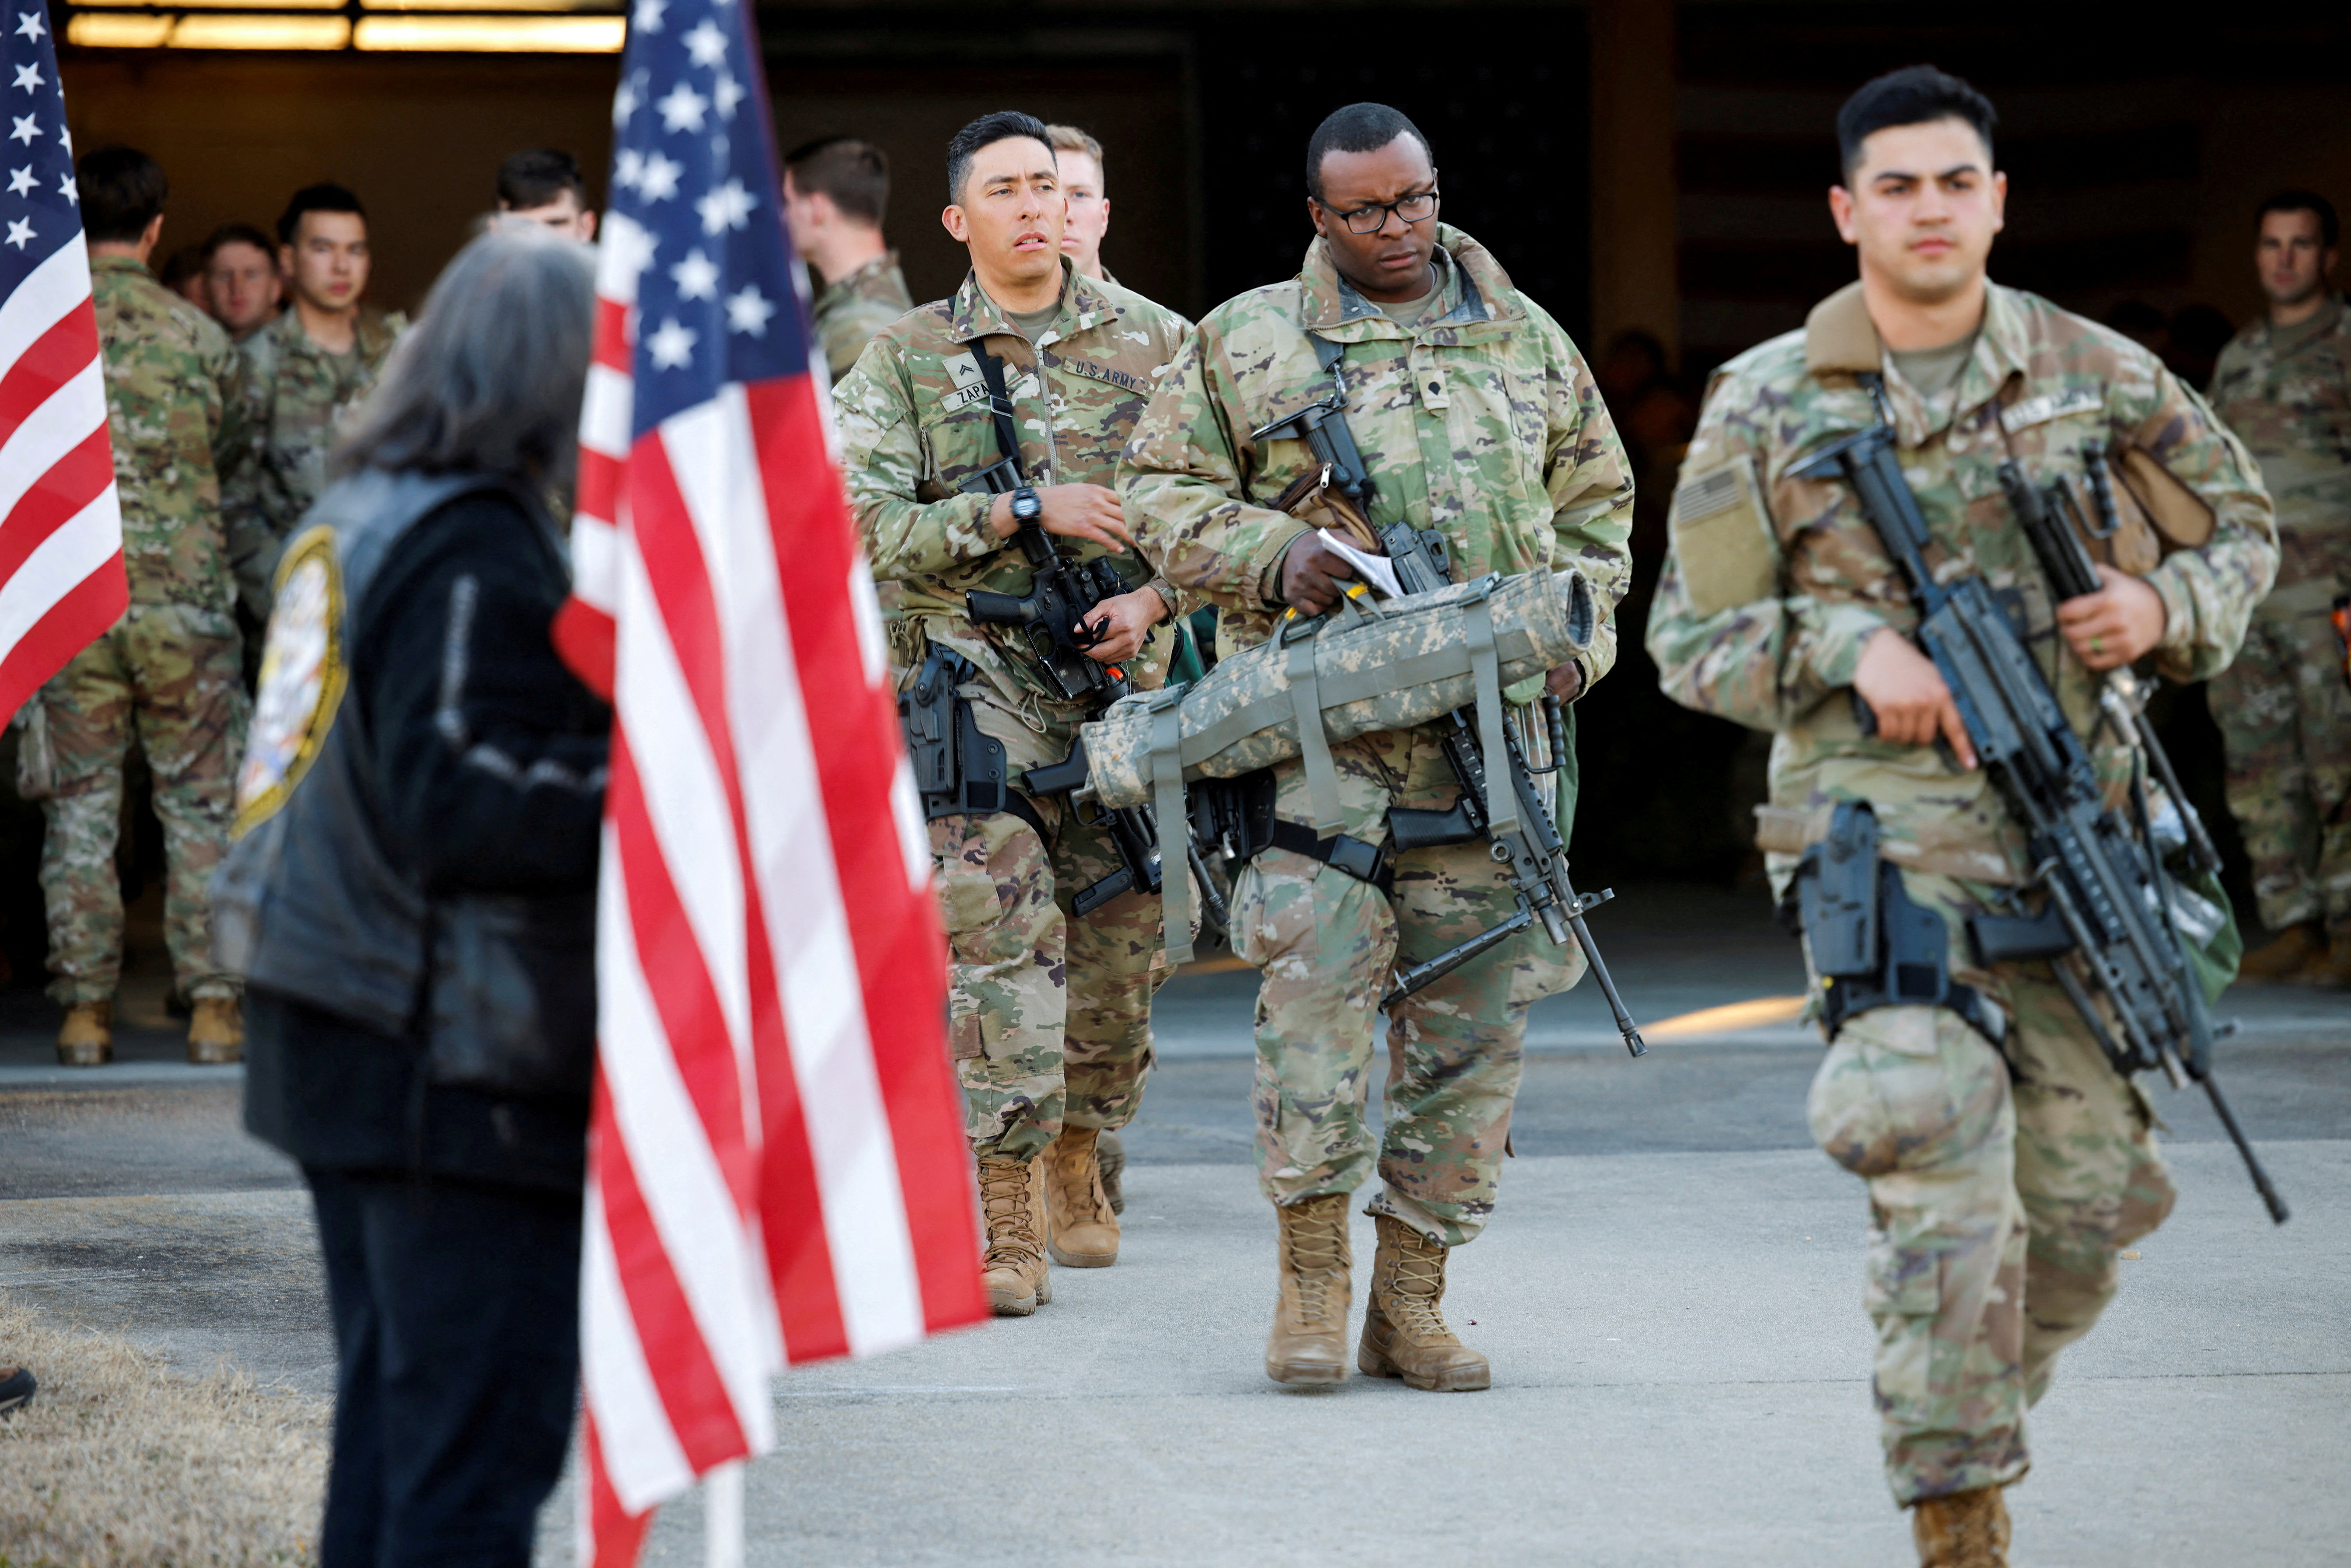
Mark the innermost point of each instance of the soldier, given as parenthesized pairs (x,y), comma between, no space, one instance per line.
(2002,1179)
(544,186)
(2285,387)
(835,193)
(167,673)
(242,288)
(1051,1013)
(1476,416)
(183,274)
(301,375)
(1080,160)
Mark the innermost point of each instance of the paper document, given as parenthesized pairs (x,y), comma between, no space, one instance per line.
(1376,570)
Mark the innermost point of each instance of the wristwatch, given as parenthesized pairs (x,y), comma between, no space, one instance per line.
(1026,508)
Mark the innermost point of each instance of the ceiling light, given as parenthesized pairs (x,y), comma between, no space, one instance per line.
(249,32)
(494,34)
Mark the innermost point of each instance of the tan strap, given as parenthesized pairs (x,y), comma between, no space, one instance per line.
(1175,829)
(1782,831)
(1313,746)
(1485,672)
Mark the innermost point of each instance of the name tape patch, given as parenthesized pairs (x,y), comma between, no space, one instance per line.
(2041,409)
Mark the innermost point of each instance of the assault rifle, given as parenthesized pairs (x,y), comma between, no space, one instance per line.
(1533,850)
(2110,899)
(1052,616)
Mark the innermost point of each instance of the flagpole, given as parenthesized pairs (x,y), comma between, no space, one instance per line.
(722,1516)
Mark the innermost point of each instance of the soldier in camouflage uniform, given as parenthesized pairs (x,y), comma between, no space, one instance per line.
(2000,1183)
(165,676)
(1049,1013)
(1476,416)
(835,193)
(2284,708)
(301,376)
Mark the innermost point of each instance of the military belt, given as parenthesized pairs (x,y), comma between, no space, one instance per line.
(1347,855)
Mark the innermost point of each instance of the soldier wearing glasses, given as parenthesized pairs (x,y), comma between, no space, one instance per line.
(1476,417)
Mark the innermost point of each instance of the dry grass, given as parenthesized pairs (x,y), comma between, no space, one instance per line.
(118,1461)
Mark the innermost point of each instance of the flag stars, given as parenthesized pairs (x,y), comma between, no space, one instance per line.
(66,189)
(647,16)
(20,233)
(683,108)
(658,181)
(671,345)
(706,45)
(29,25)
(748,312)
(25,129)
(727,93)
(625,102)
(726,207)
(29,76)
(20,181)
(696,277)
(629,168)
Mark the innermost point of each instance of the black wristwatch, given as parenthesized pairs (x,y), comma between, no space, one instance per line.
(1026,508)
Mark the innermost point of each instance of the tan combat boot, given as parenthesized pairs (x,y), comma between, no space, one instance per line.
(1080,1230)
(1404,1334)
(2283,956)
(2329,970)
(216,1032)
(1965,1530)
(1309,1342)
(1012,1203)
(1110,1154)
(87,1037)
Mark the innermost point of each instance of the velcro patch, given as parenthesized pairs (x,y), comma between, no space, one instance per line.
(2029,412)
(1722,536)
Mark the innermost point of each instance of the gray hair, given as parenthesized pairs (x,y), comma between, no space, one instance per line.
(489,379)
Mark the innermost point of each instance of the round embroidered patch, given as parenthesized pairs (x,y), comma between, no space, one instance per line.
(302,678)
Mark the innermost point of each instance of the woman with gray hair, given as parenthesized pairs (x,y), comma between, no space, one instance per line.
(410,897)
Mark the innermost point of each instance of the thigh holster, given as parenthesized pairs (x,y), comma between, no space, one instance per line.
(1236,815)
(957,770)
(1872,946)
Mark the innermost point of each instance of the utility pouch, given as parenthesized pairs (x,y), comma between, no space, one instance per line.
(37,761)
(1873,947)
(957,770)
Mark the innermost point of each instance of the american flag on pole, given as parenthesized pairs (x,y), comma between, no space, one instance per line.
(778,1169)
(61,581)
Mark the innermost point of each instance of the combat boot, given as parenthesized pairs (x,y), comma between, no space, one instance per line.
(1965,1530)
(1404,1334)
(1309,1342)
(1110,1154)
(1080,1230)
(216,1032)
(1012,1204)
(87,1037)
(2285,955)
(2329,970)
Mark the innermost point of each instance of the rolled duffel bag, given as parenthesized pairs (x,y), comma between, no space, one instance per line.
(1361,669)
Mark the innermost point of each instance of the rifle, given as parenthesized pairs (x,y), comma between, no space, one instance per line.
(2109,898)
(1531,846)
(1062,592)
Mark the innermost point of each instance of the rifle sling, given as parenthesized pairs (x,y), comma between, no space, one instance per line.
(999,407)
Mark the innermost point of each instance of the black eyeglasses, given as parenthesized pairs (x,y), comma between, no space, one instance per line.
(1414,208)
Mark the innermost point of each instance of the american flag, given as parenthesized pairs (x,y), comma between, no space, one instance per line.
(61,581)
(778,1169)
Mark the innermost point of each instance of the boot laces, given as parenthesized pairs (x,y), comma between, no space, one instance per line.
(1073,1177)
(1416,1284)
(1004,1205)
(1317,1258)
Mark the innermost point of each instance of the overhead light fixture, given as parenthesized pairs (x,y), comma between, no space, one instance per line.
(217,31)
(214,5)
(572,6)
(494,35)
(105,32)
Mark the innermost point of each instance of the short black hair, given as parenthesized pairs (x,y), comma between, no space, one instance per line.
(537,176)
(236,233)
(122,191)
(1358,127)
(321,198)
(182,263)
(1911,96)
(854,175)
(987,129)
(2330,227)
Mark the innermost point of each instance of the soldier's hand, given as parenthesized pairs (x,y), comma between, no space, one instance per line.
(1072,511)
(1126,619)
(1907,693)
(1566,681)
(1313,576)
(2118,624)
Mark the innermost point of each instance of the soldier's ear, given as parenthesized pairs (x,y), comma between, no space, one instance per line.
(955,225)
(1314,216)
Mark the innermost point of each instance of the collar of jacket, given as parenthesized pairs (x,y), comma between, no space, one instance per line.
(1841,340)
(976,316)
(1489,306)
(871,267)
(2329,322)
(129,264)
(372,335)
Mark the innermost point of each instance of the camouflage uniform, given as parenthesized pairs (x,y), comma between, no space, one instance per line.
(856,305)
(166,674)
(1999,1191)
(1039,999)
(2284,708)
(293,397)
(1482,423)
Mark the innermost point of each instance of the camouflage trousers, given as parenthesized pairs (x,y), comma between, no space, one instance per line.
(168,676)
(2285,713)
(2000,1191)
(1326,943)
(1048,1014)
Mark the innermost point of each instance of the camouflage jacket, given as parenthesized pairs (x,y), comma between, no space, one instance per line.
(1483,423)
(914,425)
(172,414)
(1772,583)
(2291,408)
(295,396)
(855,306)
